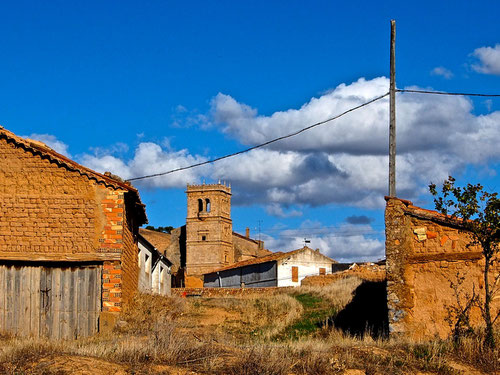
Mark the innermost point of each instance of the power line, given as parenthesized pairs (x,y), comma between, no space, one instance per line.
(262,144)
(447,93)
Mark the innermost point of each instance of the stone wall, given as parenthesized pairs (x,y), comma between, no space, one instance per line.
(208,228)
(425,253)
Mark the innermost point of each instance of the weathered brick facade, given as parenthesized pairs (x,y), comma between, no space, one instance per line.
(425,251)
(55,210)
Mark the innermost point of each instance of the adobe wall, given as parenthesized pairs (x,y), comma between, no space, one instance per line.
(51,213)
(424,254)
(45,209)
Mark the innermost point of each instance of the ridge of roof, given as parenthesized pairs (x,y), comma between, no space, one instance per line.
(267,258)
(245,237)
(71,165)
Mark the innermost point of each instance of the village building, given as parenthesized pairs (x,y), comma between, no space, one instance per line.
(207,241)
(274,270)
(68,242)
(154,269)
(427,253)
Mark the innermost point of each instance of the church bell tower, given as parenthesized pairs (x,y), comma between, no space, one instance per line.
(209,228)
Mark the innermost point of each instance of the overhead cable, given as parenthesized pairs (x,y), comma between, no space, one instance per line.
(262,144)
(446,93)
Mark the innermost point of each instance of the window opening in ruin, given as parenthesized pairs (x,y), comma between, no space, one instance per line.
(200,205)
(203,238)
(208,204)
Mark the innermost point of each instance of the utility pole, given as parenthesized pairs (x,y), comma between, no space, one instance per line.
(392,114)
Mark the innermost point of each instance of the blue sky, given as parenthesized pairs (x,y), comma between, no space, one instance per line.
(144,87)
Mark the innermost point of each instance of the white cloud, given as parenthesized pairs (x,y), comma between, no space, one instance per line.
(52,142)
(347,243)
(342,162)
(442,71)
(149,158)
(489,60)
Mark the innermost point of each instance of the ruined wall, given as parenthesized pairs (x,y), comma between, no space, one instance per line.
(424,256)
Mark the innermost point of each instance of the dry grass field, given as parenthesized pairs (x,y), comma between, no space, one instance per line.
(289,332)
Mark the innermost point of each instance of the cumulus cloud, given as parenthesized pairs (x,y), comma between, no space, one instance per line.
(342,162)
(149,158)
(347,243)
(489,60)
(52,142)
(442,71)
(345,161)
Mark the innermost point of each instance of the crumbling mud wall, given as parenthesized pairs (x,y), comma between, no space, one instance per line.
(426,253)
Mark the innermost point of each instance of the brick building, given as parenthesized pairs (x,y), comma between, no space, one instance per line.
(207,241)
(68,242)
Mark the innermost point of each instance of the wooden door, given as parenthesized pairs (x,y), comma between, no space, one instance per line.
(62,301)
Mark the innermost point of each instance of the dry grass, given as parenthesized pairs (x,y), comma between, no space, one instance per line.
(339,293)
(158,331)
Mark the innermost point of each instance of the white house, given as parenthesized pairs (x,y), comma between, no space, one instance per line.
(154,269)
(277,269)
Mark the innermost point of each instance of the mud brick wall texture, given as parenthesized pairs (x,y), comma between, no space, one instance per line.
(45,208)
(425,253)
(52,209)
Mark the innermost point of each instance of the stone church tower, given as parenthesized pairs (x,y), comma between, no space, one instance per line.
(209,228)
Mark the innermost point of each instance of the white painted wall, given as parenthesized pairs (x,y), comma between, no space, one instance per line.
(308,262)
(145,272)
(161,280)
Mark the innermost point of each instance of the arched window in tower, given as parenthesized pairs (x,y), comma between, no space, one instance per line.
(200,205)
(208,204)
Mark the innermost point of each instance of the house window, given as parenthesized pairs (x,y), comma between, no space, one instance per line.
(207,201)
(203,238)
(322,271)
(295,274)
(200,205)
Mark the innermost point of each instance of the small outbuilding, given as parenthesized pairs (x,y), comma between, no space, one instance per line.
(274,270)
(68,242)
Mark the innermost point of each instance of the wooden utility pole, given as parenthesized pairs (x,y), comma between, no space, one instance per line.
(392,114)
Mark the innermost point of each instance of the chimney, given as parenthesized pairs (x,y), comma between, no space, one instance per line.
(247,233)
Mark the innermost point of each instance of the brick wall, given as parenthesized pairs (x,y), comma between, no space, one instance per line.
(130,264)
(424,254)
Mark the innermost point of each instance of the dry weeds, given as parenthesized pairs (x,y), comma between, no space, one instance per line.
(158,334)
